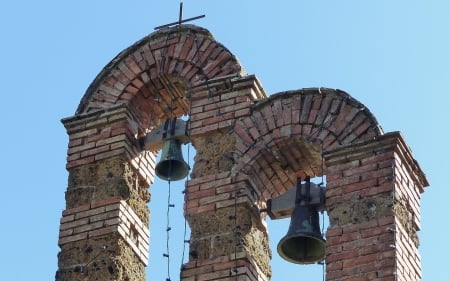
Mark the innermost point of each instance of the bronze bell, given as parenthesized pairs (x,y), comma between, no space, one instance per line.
(303,244)
(172,166)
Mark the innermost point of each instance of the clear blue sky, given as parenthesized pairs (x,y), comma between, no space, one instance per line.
(393,56)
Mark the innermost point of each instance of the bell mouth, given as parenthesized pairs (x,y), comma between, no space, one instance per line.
(172,170)
(305,249)
(171,166)
(303,244)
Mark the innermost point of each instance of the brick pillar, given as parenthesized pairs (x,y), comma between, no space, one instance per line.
(227,235)
(373,193)
(104,228)
(229,240)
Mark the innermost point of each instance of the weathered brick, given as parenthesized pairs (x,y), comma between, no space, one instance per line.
(74,224)
(67,232)
(113,201)
(200,194)
(75,163)
(201,209)
(88,227)
(342,256)
(204,130)
(104,134)
(76,210)
(76,142)
(67,218)
(103,231)
(193,271)
(94,151)
(360,185)
(72,238)
(83,134)
(212,199)
(89,213)
(80,148)
(108,154)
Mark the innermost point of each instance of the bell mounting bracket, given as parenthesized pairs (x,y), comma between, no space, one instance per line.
(306,193)
(171,129)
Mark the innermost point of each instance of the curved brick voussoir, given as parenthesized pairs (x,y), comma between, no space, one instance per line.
(182,53)
(314,114)
(293,127)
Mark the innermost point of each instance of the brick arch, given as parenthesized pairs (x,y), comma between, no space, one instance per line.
(153,74)
(285,134)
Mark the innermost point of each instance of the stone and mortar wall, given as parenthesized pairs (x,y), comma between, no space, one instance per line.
(228,238)
(104,229)
(225,227)
(372,224)
(409,186)
(96,231)
(103,218)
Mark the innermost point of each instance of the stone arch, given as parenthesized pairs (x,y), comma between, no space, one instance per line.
(284,135)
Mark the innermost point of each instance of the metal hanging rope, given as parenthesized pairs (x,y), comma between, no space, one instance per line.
(185,241)
(237,234)
(168,229)
(323,216)
(169,205)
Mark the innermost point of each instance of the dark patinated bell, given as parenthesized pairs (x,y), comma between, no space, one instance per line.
(172,166)
(303,244)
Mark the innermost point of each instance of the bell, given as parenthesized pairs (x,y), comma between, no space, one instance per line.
(172,166)
(303,244)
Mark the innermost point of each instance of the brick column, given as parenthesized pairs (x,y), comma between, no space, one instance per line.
(104,228)
(227,235)
(228,238)
(373,192)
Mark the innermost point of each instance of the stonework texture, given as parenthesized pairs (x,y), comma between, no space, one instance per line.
(373,192)
(250,148)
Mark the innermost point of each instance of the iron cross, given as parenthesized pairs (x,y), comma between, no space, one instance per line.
(180,19)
